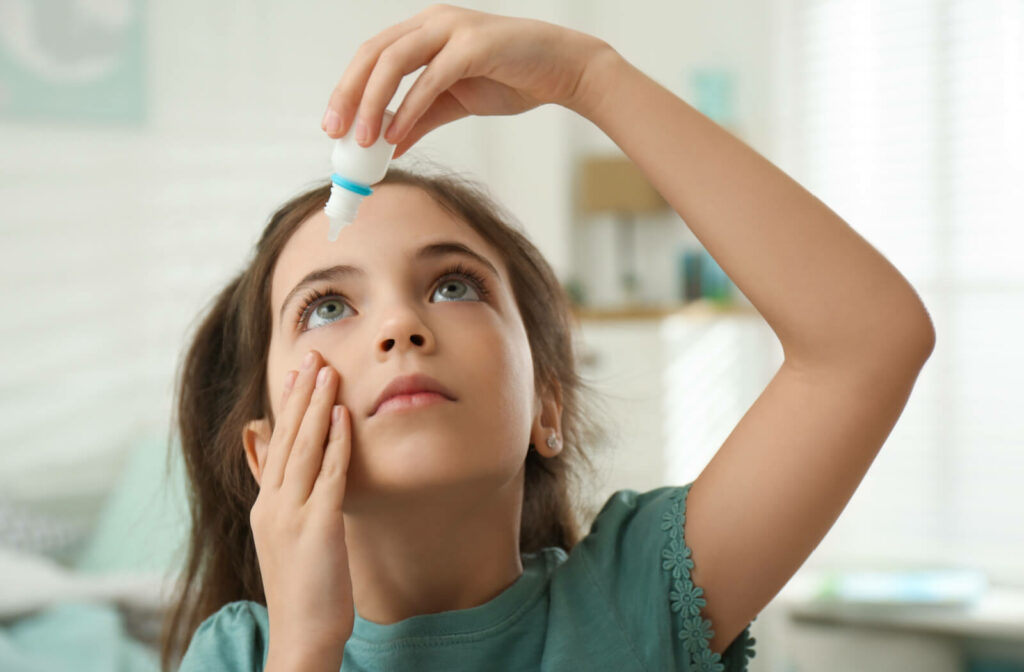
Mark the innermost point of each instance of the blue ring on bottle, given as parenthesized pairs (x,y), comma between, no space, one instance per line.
(350,185)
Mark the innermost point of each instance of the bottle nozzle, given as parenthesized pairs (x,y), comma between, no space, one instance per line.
(337,224)
(343,204)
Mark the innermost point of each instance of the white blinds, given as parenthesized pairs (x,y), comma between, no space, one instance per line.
(112,245)
(906,119)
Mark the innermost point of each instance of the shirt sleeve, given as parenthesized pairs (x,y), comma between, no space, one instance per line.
(234,639)
(637,554)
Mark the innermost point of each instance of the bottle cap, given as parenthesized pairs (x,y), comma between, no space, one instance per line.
(356,168)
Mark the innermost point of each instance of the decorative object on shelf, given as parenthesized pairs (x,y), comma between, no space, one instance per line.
(715,284)
(689,260)
(576,291)
(700,277)
(713,90)
(614,184)
(898,588)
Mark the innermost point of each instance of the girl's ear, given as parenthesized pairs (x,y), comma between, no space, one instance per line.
(255,438)
(548,419)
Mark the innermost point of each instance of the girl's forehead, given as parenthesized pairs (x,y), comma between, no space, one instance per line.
(394,229)
(395,218)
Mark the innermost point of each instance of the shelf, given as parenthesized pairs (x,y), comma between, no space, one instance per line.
(999,615)
(996,614)
(701,308)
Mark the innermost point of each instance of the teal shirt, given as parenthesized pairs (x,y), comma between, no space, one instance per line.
(622,600)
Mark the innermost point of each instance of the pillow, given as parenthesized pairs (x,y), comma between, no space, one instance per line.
(27,530)
(144,523)
(52,489)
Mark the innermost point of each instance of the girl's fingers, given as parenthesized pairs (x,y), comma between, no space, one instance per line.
(330,482)
(307,453)
(443,110)
(289,383)
(288,424)
(424,97)
(409,53)
(344,98)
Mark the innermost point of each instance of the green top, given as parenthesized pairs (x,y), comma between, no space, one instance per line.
(621,600)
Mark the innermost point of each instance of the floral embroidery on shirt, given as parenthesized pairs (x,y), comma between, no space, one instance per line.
(686,599)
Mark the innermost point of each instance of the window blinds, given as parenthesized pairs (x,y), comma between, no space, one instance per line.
(906,120)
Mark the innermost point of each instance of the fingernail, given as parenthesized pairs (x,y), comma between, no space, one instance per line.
(332,122)
(307,363)
(336,414)
(361,131)
(322,378)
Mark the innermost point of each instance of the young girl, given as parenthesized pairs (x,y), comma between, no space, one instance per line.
(339,526)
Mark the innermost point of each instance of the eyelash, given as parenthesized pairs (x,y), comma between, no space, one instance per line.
(314,295)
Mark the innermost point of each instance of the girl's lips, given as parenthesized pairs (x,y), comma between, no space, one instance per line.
(408,402)
(411,384)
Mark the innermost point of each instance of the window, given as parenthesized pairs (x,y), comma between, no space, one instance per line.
(906,119)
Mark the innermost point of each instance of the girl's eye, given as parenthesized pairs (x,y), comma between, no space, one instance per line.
(312,307)
(328,309)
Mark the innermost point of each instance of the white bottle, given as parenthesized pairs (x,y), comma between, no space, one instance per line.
(356,169)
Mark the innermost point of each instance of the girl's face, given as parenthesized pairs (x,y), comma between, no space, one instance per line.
(409,304)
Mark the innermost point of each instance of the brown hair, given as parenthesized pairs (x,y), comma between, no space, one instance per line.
(221,385)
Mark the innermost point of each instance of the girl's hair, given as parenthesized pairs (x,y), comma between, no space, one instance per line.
(221,385)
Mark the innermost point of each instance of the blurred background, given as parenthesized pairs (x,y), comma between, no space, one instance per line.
(144,144)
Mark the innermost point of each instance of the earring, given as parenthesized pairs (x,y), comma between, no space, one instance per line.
(552,442)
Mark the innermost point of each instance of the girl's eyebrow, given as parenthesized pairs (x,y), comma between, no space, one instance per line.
(430,251)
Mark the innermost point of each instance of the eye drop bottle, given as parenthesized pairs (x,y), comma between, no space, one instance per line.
(356,169)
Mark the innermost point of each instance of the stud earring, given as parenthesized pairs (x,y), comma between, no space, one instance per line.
(552,440)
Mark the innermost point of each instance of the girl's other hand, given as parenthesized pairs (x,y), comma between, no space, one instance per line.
(477,63)
(297,522)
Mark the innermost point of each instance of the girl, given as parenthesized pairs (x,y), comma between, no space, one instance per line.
(339,526)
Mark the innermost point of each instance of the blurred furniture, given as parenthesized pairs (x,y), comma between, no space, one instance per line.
(101,609)
(615,185)
(987,634)
(673,382)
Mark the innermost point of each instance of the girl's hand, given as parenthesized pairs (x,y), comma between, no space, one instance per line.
(297,523)
(477,63)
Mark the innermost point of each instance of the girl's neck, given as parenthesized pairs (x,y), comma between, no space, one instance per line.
(438,555)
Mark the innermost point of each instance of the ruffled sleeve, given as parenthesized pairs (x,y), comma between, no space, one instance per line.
(638,556)
(233,639)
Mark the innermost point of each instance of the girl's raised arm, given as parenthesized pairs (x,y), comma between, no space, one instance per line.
(854,332)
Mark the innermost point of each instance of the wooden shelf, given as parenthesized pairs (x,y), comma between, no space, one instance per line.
(701,308)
